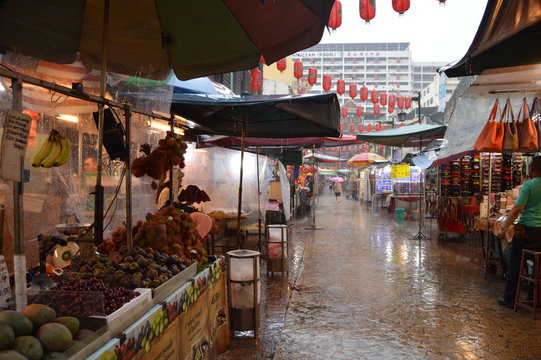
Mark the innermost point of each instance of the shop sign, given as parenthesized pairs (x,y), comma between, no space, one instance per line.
(14,143)
(400,171)
(5,289)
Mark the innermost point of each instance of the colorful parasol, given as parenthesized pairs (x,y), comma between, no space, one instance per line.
(365,159)
(337,179)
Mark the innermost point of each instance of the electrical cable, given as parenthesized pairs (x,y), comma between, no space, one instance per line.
(115,200)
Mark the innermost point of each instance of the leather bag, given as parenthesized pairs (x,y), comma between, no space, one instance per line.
(535,115)
(491,137)
(528,137)
(510,139)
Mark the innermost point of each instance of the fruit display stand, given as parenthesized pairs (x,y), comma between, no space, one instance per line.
(191,322)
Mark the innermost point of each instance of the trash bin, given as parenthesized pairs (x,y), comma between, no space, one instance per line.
(400,214)
(277,248)
(244,286)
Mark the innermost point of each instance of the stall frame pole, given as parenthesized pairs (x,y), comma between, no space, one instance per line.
(487,235)
(19,257)
(258,201)
(127,117)
(240,242)
(313,226)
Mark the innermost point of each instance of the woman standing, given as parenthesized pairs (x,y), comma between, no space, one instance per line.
(337,191)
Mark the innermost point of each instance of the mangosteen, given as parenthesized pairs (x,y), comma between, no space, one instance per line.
(142,262)
(128,259)
(152,274)
(123,250)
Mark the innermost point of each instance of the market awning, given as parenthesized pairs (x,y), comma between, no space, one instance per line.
(235,142)
(265,116)
(321,158)
(507,36)
(408,136)
(471,111)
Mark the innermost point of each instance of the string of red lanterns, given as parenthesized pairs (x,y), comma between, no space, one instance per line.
(312,76)
(256,80)
(298,69)
(327,82)
(353,91)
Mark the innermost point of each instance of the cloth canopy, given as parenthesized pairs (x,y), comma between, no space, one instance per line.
(507,36)
(272,116)
(202,85)
(149,38)
(469,115)
(234,142)
(408,136)
(321,158)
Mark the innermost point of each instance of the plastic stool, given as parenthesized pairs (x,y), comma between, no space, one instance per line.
(535,278)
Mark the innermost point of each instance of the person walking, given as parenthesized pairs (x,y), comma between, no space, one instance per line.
(337,191)
(527,233)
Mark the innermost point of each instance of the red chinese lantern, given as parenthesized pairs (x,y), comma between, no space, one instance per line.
(341,127)
(361,127)
(376,109)
(442,2)
(378,127)
(256,80)
(341,87)
(400,102)
(374,96)
(312,76)
(344,111)
(381,147)
(383,99)
(297,69)
(262,59)
(369,127)
(407,102)
(364,93)
(367,9)
(359,111)
(390,109)
(401,125)
(353,91)
(401,6)
(327,82)
(392,100)
(281,65)
(351,127)
(335,19)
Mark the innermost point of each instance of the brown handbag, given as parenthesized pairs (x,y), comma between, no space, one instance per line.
(528,137)
(510,138)
(535,115)
(491,137)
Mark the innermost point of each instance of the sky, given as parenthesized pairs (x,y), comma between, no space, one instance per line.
(436,33)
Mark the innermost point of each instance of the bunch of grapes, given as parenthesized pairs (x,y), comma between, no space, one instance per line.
(155,163)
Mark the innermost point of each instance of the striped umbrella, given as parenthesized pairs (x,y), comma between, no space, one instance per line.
(365,159)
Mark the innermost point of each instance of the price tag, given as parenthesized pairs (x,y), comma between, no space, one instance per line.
(14,143)
(5,288)
(400,171)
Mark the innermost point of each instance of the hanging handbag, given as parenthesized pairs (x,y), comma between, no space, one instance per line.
(535,115)
(528,137)
(510,139)
(491,137)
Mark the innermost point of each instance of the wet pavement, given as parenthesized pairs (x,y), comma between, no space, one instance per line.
(364,289)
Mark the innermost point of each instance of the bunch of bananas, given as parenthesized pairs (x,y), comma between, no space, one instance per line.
(55,151)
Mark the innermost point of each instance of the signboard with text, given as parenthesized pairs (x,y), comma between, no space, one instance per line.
(400,171)
(14,143)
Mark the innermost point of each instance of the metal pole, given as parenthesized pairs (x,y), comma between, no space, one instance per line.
(258,201)
(19,257)
(98,192)
(487,231)
(256,296)
(127,115)
(240,183)
(314,227)
(171,193)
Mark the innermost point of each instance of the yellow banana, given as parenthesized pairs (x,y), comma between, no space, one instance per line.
(42,153)
(53,154)
(64,153)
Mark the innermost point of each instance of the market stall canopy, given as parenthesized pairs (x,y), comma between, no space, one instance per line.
(408,136)
(365,159)
(151,37)
(507,36)
(472,109)
(235,142)
(264,116)
(201,85)
(321,158)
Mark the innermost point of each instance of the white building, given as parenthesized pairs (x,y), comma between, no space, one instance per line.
(438,92)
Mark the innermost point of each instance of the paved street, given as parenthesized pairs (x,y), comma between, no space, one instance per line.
(366,290)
